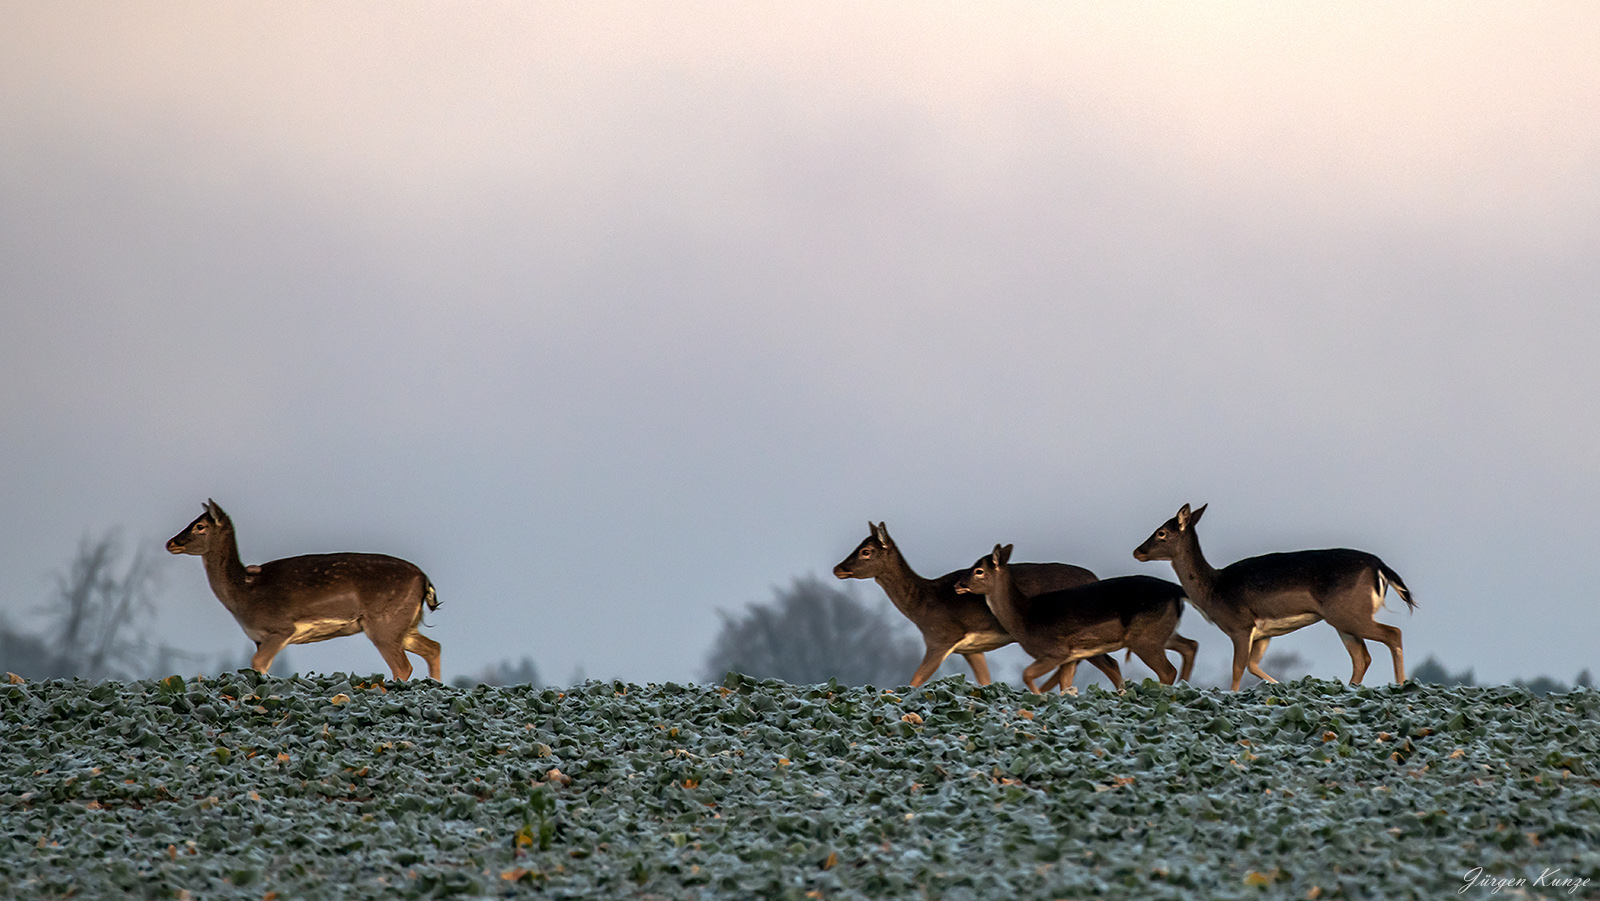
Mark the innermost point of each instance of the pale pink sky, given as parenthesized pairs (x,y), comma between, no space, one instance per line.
(619,314)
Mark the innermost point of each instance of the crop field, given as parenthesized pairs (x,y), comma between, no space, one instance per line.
(343,787)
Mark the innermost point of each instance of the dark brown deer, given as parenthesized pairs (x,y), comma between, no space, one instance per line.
(951,622)
(298,600)
(1258,598)
(1059,628)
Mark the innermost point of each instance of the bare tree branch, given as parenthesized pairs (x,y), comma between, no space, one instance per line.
(97,612)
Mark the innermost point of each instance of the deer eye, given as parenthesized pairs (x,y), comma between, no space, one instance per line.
(199,527)
(1161,533)
(866,552)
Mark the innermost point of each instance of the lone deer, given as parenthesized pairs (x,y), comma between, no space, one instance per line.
(1259,598)
(1059,628)
(952,622)
(298,600)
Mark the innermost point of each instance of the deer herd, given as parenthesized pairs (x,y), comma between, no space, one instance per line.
(1058,613)
(1062,614)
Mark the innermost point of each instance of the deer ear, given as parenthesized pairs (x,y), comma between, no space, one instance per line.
(1195,516)
(215,511)
(1005,554)
(1183,517)
(883,535)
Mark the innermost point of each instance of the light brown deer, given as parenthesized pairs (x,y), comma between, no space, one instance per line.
(1059,628)
(1259,598)
(298,600)
(951,622)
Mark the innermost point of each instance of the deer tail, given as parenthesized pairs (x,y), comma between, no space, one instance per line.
(1390,578)
(429,596)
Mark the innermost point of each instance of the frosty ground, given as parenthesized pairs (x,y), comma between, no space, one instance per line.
(342,786)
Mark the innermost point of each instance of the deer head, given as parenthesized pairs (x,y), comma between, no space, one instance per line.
(984,576)
(870,558)
(202,534)
(1163,542)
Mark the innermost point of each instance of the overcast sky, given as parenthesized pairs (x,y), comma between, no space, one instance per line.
(613,316)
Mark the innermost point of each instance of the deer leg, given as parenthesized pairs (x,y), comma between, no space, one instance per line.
(399,666)
(980,667)
(1241,656)
(392,647)
(1258,649)
(1107,664)
(1030,676)
(1375,631)
(1359,658)
(1156,659)
(930,662)
(1186,648)
(266,650)
(427,649)
(1064,677)
(1395,651)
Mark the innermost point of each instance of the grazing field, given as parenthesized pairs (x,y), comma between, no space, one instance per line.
(336,787)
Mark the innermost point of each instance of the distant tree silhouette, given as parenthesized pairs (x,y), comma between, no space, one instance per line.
(1541,685)
(813,632)
(95,621)
(503,673)
(96,612)
(1433,671)
(28,655)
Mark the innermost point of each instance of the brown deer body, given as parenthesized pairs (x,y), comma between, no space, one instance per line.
(1059,628)
(952,622)
(298,600)
(1258,598)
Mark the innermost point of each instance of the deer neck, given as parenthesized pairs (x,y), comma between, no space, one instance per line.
(1198,578)
(906,590)
(226,573)
(1005,601)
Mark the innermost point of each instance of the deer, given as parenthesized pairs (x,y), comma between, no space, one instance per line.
(952,622)
(1259,598)
(1060,628)
(315,597)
